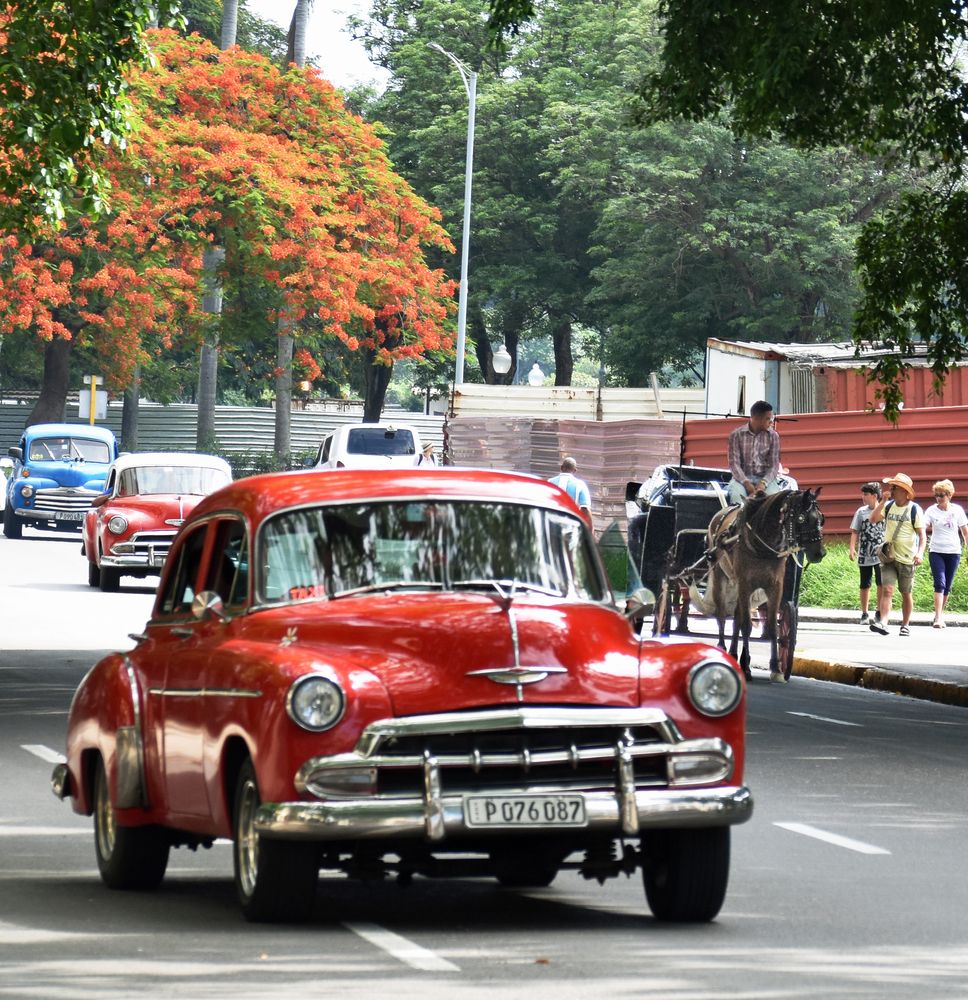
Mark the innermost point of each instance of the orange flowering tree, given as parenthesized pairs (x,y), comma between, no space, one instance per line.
(227,149)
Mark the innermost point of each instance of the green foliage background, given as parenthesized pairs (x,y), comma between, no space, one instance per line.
(834,583)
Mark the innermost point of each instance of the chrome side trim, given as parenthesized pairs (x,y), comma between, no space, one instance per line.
(204,693)
(404,818)
(60,781)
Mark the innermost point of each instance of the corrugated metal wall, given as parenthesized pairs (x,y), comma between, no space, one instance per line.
(839,389)
(839,451)
(238,428)
(609,454)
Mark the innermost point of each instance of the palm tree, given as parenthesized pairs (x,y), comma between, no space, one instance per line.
(296,53)
(212,297)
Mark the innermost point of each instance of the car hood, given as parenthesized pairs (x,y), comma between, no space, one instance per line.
(427,649)
(85,475)
(156,507)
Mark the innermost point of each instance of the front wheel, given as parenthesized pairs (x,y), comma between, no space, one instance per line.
(93,574)
(109,579)
(128,857)
(12,526)
(685,873)
(275,880)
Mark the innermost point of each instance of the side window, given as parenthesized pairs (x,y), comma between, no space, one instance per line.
(180,590)
(228,569)
(327,446)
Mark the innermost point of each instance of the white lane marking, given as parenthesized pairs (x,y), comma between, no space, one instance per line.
(816,758)
(832,838)
(401,949)
(43,831)
(44,753)
(823,718)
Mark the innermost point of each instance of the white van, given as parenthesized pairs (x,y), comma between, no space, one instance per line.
(370,446)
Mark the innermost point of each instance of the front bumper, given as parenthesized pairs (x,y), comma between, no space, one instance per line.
(435,820)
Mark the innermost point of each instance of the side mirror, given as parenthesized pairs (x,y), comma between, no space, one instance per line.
(16,453)
(207,604)
(639,602)
(100,500)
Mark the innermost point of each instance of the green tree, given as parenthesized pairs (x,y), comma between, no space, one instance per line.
(62,94)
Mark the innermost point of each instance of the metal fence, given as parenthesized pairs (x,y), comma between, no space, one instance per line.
(239,430)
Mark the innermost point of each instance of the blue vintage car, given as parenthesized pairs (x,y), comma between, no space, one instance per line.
(58,470)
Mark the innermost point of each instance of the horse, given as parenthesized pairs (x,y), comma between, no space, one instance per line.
(748,547)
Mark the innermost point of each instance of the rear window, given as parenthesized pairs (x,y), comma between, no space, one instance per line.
(380,441)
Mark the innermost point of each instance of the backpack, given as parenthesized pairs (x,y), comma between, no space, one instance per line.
(914,511)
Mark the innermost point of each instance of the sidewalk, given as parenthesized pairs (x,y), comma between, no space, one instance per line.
(931,664)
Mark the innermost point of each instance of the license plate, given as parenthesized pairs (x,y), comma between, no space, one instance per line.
(68,515)
(524,810)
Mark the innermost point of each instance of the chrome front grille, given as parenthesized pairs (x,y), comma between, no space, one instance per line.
(62,498)
(520,749)
(152,546)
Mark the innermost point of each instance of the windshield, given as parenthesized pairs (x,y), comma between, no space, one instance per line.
(170,479)
(333,551)
(69,449)
(379,441)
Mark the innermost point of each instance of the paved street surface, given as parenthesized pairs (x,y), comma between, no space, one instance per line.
(848,882)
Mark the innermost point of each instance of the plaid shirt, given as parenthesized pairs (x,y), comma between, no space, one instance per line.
(754,456)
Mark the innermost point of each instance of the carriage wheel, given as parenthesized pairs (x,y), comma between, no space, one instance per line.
(662,621)
(786,637)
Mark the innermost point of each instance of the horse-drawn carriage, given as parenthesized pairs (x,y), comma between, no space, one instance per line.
(692,549)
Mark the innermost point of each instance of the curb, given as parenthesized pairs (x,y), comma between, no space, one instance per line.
(876,679)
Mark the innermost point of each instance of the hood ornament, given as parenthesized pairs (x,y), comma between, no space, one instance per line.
(517,675)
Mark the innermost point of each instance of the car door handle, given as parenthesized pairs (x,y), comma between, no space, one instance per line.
(183,632)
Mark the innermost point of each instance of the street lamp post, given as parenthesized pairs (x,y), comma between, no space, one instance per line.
(469,78)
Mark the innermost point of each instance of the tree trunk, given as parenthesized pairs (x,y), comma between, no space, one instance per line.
(482,348)
(283,433)
(564,359)
(208,362)
(129,413)
(296,49)
(377,379)
(51,405)
(230,23)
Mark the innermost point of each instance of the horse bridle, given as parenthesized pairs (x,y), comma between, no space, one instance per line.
(793,531)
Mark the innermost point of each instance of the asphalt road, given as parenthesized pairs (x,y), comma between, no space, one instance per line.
(848,882)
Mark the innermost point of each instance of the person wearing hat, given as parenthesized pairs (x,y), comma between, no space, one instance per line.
(904,529)
(427,456)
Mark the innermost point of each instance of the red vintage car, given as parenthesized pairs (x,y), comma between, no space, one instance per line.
(130,527)
(407,673)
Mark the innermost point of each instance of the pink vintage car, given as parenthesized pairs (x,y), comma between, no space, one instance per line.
(412,674)
(130,527)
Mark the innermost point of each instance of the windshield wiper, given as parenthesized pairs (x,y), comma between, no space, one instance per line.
(505,588)
(389,585)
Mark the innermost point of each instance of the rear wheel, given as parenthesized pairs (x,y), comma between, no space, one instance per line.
(12,526)
(128,857)
(685,873)
(786,636)
(275,880)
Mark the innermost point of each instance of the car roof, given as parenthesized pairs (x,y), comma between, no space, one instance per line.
(259,496)
(72,430)
(141,459)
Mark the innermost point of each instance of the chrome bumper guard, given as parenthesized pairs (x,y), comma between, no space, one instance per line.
(435,820)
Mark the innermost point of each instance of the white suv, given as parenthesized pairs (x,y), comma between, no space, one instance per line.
(369,446)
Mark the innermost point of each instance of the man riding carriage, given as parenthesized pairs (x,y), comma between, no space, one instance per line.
(755,522)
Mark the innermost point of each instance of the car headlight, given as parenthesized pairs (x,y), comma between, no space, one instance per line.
(27,492)
(315,703)
(117,524)
(714,687)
